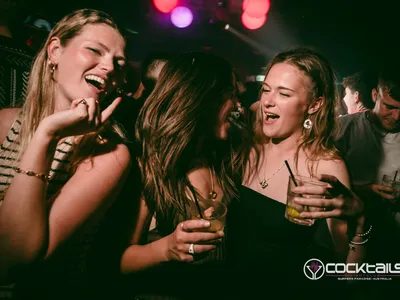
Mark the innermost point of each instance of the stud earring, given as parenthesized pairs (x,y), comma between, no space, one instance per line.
(307,123)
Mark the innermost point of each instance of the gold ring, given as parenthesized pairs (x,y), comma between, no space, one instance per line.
(83,101)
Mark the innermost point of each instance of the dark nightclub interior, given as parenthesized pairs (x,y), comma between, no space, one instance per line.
(199,149)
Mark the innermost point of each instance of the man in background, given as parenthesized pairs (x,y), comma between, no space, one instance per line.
(359,91)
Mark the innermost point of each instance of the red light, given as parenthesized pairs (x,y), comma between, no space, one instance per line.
(165,6)
(253,23)
(256,8)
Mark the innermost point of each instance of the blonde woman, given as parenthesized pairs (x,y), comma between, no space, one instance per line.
(62,162)
(296,123)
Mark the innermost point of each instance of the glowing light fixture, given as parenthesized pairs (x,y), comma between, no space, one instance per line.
(181,17)
(256,8)
(253,23)
(165,6)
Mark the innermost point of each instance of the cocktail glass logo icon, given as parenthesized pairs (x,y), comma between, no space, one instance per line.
(314,269)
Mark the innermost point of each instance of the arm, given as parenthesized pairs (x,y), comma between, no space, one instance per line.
(136,256)
(172,247)
(339,227)
(28,230)
(84,197)
(342,211)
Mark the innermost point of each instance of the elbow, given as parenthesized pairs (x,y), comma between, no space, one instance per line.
(124,265)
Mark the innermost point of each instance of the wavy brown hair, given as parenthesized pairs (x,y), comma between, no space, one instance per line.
(176,133)
(319,141)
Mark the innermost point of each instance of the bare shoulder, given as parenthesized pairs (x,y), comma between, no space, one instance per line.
(7,116)
(118,158)
(335,167)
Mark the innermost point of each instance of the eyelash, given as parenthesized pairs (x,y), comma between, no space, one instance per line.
(95,51)
(266,91)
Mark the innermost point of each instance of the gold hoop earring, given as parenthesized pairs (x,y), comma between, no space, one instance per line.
(52,66)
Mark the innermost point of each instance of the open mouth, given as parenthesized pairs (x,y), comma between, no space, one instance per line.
(95,81)
(271,117)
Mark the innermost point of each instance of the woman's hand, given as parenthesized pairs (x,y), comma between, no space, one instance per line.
(336,200)
(83,117)
(184,241)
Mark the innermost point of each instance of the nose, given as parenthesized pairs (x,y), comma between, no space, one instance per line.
(267,99)
(396,114)
(107,64)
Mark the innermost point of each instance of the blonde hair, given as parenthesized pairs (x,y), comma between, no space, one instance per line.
(319,141)
(39,102)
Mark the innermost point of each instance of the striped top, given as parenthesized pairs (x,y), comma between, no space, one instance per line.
(60,167)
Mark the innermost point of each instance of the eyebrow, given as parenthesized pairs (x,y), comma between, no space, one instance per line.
(279,87)
(107,49)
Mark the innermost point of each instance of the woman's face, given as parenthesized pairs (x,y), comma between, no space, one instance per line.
(285,98)
(89,65)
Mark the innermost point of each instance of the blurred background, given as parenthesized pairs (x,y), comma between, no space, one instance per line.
(352,34)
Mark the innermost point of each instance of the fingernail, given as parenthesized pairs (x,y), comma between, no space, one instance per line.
(221,233)
(206,224)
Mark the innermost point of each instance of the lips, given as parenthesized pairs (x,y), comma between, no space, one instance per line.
(270,117)
(96,82)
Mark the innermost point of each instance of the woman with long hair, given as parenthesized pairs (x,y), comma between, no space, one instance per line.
(62,160)
(183,130)
(295,123)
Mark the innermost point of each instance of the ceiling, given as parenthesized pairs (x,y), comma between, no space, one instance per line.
(352,34)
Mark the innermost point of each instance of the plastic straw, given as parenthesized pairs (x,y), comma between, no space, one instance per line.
(291,173)
(198,207)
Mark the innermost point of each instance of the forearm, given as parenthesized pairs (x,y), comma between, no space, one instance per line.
(23,213)
(358,242)
(140,257)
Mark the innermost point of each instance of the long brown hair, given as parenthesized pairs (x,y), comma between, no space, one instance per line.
(319,141)
(176,127)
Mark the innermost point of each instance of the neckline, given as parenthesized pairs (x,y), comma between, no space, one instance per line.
(258,193)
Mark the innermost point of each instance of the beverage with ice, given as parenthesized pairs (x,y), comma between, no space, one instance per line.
(212,211)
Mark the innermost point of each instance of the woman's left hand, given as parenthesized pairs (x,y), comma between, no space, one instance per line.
(335,201)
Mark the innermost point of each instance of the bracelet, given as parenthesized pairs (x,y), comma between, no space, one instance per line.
(365,233)
(41,176)
(352,244)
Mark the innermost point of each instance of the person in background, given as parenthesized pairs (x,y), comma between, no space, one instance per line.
(370,144)
(360,91)
(62,161)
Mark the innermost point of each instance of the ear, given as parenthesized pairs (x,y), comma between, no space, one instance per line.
(316,105)
(356,97)
(374,95)
(54,49)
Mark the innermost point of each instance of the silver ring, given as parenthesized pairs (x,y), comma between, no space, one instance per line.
(191,249)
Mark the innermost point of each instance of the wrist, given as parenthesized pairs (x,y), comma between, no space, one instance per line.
(360,223)
(45,134)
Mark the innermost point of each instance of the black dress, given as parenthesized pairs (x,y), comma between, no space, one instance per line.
(267,252)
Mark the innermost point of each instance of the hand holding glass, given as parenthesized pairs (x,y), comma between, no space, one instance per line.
(212,211)
(293,210)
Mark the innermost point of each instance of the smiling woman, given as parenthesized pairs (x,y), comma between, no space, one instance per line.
(67,155)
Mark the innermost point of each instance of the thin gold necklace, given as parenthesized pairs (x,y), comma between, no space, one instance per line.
(264,182)
(212,194)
